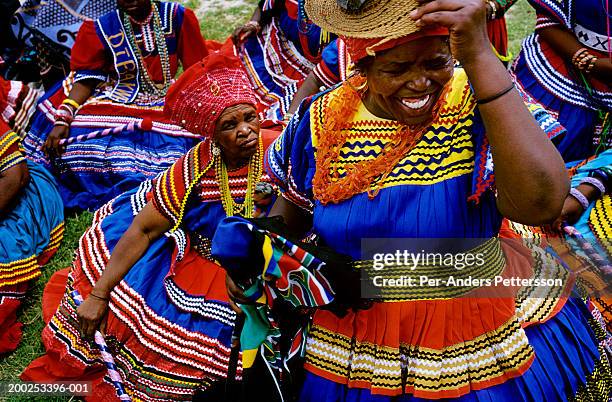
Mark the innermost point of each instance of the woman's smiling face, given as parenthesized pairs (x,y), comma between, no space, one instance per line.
(404,83)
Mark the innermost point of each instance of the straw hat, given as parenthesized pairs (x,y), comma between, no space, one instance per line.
(375,19)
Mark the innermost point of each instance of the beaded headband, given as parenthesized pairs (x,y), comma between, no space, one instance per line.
(197,99)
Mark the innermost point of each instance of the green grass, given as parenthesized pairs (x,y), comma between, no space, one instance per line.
(521,22)
(12,364)
(217,25)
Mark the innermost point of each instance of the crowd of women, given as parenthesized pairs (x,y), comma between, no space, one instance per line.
(226,260)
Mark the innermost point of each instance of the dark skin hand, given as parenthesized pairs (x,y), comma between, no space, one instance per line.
(80,92)
(236,133)
(566,45)
(295,218)
(242,32)
(12,181)
(572,209)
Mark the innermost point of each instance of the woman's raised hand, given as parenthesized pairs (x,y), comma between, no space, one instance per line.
(92,316)
(244,31)
(466,21)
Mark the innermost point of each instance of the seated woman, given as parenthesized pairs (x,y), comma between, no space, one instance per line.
(103,131)
(31,229)
(144,266)
(278,47)
(401,150)
(565,66)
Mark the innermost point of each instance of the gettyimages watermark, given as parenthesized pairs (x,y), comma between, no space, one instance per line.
(414,269)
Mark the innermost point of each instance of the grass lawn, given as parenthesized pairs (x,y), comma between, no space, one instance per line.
(218,18)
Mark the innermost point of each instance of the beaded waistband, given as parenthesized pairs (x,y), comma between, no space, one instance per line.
(434,276)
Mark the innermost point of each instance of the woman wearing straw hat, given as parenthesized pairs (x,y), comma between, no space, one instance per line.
(144,266)
(411,148)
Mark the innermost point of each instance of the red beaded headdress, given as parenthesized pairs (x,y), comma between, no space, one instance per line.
(197,99)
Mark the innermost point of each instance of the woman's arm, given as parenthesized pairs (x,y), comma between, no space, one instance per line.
(147,226)
(298,220)
(529,172)
(80,92)
(251,27)
(12,181)
(566,45)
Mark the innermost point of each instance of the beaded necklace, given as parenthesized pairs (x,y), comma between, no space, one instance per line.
(231,207)
(368,175)
(147,84)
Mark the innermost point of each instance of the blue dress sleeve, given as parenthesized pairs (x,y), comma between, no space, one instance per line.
(290,160)
(328,69)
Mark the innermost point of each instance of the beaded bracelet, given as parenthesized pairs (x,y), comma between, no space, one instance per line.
(66,110)
(493,14)
(579,53)
(61,123)
(64,116)
(595,183)
(71,102)
(574,192)
(602,175)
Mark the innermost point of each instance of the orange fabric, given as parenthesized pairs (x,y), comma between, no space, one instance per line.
(10,329)
(328,186)
(191,45)
(213,45)
(437,324)
(434,395)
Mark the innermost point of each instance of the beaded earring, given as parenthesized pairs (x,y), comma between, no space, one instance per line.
(216,151)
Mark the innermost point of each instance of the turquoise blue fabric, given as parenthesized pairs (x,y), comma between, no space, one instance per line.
(25,230)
